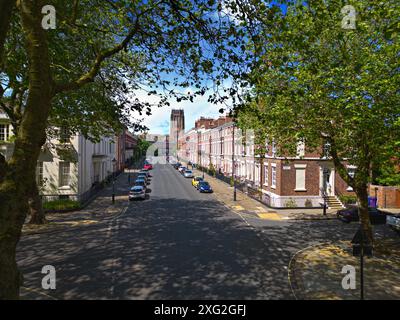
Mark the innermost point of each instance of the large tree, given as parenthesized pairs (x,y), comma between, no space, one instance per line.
(320,79)
(142,41)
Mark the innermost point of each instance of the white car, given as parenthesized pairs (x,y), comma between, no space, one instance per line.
(188,174)
(394,222)
(137,192)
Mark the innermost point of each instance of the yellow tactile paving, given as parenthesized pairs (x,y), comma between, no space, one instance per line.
(269,216)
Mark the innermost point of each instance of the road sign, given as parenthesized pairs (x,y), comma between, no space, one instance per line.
(361,244)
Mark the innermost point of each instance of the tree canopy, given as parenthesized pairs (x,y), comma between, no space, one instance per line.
(318,81)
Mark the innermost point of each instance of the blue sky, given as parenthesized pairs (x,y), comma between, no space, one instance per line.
(158,121)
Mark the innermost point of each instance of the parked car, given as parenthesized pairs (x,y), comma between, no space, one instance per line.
(177,165)
(137,192)
(182,169)
(348,215)
(394,222)
(146,172)
(148,166)
(196,180)
(140,182)
(188,174)
(144,177)
(204,186)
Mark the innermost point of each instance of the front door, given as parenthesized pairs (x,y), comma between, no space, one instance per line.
(327,181)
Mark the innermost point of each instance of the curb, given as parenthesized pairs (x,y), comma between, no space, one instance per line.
(295,283)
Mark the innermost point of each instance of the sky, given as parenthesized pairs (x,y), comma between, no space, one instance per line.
(158,121)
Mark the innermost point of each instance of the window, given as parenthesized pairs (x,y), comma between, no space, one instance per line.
(39,173)
(300,149)
(273,176)
(257,175)
(351,171)
(64,174)
(273,149)
(266,174)
(300,177)
(4,132)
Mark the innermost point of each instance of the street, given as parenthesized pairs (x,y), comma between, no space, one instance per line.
(177,244)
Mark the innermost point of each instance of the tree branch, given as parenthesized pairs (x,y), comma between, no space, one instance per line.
(91,74)
(339,165)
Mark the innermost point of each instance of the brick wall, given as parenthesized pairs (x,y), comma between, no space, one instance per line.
(388,197)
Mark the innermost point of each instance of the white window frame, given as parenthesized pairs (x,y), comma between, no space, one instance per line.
(273,175)
(4,131)
(300,169)
(266,176)
(64,175)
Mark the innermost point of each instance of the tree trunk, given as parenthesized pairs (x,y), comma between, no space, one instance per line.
(6,7)
(15,186)
(362,197)
(11,221)
(36,211)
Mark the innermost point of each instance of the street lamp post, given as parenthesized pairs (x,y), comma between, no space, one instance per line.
(325,173)
(113,181)
(233,162)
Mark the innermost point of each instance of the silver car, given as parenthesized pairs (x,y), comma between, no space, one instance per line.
(188,174)
(137,192)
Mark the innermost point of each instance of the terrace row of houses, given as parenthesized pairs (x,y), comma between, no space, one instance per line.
(301,181)
(72,166)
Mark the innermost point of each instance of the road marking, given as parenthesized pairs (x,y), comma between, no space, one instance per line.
(269,216)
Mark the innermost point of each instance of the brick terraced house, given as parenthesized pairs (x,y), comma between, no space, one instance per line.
(301,181)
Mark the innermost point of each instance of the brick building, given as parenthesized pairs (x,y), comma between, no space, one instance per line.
(300,181)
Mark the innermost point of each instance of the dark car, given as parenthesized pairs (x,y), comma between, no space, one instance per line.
(348,215)
(204,186)
(140,182)
(177,165)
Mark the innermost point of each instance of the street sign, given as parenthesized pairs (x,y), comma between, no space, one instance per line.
(361,244)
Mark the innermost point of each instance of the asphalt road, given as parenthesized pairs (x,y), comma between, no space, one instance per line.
(178,244)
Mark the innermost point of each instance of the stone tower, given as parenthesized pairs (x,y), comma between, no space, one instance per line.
(177,125)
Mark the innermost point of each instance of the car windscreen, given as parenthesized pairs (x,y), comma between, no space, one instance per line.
(137,189)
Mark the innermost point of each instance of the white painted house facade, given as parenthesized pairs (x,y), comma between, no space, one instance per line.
(71,169)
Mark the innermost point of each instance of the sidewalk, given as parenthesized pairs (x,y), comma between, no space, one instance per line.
(250,207)
(100,208)
(315,272)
